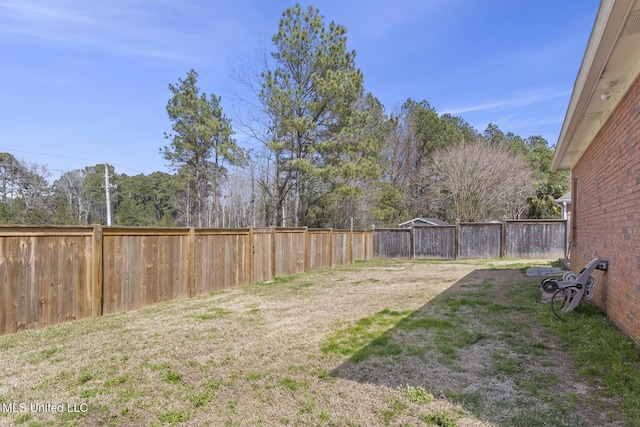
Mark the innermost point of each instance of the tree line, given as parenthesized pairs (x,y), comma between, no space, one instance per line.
(330,155)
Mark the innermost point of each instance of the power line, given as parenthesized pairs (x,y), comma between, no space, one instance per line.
(68,157)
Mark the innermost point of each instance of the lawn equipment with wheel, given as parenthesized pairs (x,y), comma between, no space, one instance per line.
(573,288)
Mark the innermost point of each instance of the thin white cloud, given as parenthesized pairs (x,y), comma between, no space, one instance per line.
(118,27)
(491,105)
(379,19)
(30,11)
(515,123)
(517,100)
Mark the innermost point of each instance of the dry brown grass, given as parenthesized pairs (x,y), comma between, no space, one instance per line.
(252,356)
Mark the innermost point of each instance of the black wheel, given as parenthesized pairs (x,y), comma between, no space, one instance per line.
(560,300)
(549,285)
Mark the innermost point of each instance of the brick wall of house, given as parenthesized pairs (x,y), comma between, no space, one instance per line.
(606,212)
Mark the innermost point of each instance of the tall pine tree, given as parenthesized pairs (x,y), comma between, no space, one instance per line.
(312,94)
(201,146)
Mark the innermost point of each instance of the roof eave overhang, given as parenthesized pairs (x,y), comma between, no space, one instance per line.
(609,67)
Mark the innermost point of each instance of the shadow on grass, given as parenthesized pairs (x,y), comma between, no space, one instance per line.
(479,344)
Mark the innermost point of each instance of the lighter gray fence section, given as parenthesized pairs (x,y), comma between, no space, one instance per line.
(536,239)
(392,243)
(480,240)
(512,239)
(434,242)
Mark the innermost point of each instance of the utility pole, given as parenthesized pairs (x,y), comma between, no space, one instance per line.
(106,187)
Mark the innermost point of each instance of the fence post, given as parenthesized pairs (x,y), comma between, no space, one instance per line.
(457,238)
(331,247)
(305,250)
(250,256)
(503,240)
(412,247)
(350,245)
(96,284)
(191,262)
(367,255)
(273,253)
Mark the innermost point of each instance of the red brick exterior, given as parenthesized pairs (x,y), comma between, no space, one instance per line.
(606,211)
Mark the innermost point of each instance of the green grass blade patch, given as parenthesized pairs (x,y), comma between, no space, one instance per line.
(602,354)
(366,337)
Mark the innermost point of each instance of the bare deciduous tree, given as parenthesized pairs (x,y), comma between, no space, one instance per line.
(71,188)
(35,189)
(406,164)
(479,182)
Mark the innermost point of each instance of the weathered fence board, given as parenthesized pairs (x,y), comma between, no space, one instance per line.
(341,245)
(513,239)
(50,275)
(318,249)
(362,245)
(289,251)
(261,261)
(539,239)
(143,267)
(392,243)
(479,240)
(221,260)
(434,242)
(43,277)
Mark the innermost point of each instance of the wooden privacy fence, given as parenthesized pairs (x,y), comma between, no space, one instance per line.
(510,239)
(50,275)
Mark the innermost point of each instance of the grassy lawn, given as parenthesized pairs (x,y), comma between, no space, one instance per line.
(383,342)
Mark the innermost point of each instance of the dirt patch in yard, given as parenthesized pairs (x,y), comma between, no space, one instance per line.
(377,343)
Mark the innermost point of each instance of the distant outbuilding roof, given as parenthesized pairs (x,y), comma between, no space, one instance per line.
(417,222)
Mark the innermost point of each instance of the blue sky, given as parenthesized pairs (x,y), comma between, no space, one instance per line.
(83,82)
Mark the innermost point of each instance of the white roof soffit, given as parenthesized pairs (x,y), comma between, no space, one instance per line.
(609,67)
